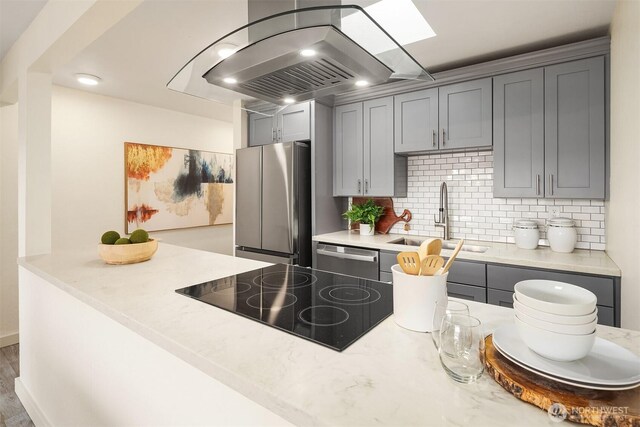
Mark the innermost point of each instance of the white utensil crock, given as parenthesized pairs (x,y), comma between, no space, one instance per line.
(415,299)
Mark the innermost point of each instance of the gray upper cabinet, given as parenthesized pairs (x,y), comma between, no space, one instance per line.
(261,129)
(364,159)
(465,115)
(416,121)
(378,147)
(292,123)
(348,151)
(575,129)
(518,134)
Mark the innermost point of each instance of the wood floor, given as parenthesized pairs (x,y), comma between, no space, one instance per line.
(12,412)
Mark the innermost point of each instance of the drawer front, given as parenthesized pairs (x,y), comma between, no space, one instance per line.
(505,278)
(501,298)
(472,293)
(605,316)
(468,273)
(387,259)
(386,277)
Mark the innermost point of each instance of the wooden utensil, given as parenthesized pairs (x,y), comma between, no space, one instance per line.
(423,250)
(409,262)
(447,266)
(430,265)
(430,247)
(434,247)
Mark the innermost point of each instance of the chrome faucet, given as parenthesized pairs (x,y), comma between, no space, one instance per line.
(442,220)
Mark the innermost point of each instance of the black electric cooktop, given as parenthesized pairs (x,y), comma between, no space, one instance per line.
(327,308)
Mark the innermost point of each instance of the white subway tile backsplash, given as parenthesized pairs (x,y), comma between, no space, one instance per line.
(474,213)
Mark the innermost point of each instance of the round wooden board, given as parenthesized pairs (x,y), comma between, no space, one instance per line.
(585,406)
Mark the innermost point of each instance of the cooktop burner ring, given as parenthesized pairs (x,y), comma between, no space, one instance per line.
(240,288)
(330,308)
(328,294)
(307,279)
(290,299)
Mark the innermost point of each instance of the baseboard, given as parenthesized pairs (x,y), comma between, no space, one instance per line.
(9,339)
(30,405)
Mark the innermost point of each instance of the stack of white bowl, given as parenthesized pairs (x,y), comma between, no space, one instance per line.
(555,319)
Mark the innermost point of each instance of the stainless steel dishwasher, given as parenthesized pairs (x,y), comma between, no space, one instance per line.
(357,262)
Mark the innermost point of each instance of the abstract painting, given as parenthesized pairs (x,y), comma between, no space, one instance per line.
(168,188)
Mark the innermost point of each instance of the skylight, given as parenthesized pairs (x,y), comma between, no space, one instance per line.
(400,18)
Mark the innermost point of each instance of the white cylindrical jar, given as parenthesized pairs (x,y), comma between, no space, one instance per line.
(562,234)
(526,234)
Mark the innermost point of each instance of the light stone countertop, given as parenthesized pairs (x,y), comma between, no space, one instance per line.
(581,261)
(391,376)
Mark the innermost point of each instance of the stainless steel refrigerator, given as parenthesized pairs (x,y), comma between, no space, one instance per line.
(273,203)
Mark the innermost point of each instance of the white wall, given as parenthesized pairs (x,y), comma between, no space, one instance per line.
(8,225)
(623,208)
(88,135)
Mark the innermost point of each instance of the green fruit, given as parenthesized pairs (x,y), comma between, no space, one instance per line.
(139,236)
(122,241)
(110,237)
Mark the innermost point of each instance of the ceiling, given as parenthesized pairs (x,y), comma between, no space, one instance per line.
(140,54)
(15,17)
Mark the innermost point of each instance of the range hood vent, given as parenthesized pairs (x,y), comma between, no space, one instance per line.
(346,46)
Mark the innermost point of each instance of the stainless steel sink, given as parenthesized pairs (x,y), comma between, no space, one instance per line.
(406,241)
(445,245)
(466,248)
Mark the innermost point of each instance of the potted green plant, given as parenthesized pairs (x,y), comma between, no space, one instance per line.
(366,214)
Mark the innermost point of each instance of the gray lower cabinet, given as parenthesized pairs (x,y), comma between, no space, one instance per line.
(292,123)
(468,292)
(364,160)
(494,284)
(501,298)
(465,114)
(575,129)
(416,121)
(502,279)
(518,134)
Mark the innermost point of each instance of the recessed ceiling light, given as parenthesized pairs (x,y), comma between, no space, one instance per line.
(289,100)
(88,79)
(307,52)
(225,50)
(230,80)
(362,83)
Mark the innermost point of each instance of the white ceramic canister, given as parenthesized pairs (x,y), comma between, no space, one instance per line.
(526,234)
(562,234)
(415,298)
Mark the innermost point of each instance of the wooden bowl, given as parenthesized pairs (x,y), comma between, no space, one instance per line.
(128,254)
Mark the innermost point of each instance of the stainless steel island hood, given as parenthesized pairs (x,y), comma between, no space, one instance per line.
(298,54)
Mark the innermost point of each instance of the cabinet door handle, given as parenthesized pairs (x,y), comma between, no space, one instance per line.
(551,183)
(433,138)
(366,186)
(280,135)
(359,186)
(538,184)
(443,140)
(274,136)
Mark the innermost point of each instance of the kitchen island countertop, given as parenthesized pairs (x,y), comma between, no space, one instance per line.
(390,376)
(580,261)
